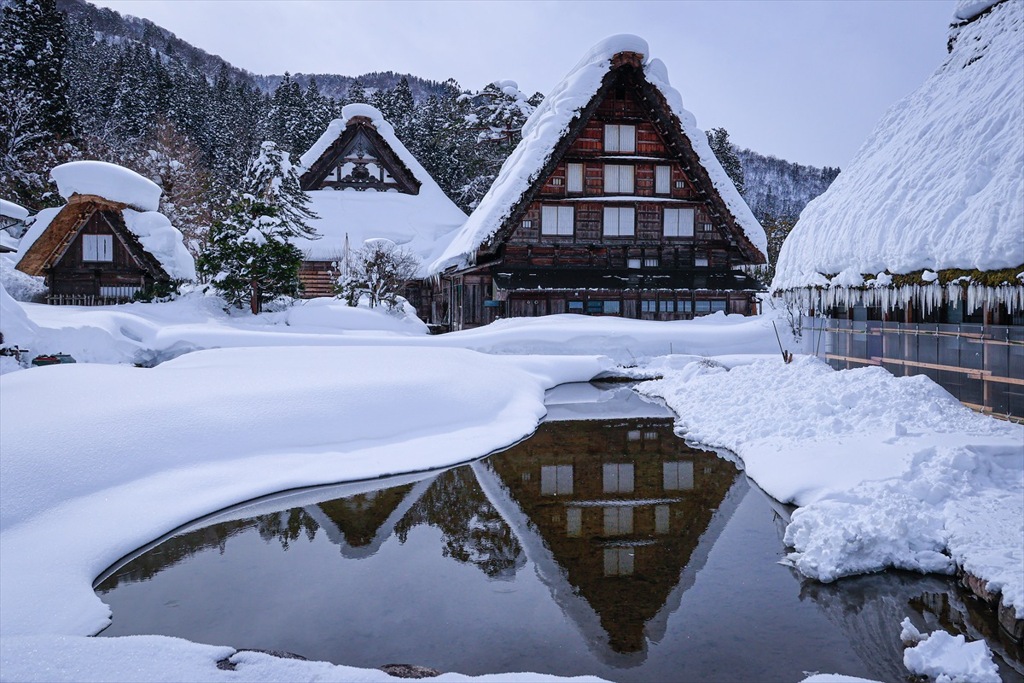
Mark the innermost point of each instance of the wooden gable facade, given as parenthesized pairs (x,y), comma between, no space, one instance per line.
(623,220)
(88,256)
(360,159)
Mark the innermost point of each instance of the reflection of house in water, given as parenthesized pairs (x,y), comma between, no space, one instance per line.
(621,506)
(359,524)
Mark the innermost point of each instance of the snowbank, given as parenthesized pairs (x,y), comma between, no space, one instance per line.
(549,123)
(423,223)
(203,432)
(109,181)
(892,472)
(11,210)
(946,658)
(939,184)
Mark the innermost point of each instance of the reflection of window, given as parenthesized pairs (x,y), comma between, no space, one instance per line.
(556,220)
(619,138)
(633,435)
(556,480)
(700,262)
(573,522)
(618,520)
(651,436)
(618,477)
(677,476)
(97,247)
(661,519)
(618,561)
(575,173)
(633,263)
(650,263)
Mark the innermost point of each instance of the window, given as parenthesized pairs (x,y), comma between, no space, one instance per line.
(556,220)
(575,173)
(618,221)
(618,561)
(618,520)
(576,306)
(633,263)
(97,247)
(527,224)
(718,305)
(661,517)
(634,435)
(618,179)
(556,480)
(667,306)
(677,476)
(573,522)
(680,184)
(618,477)
(610,307)
(619,138)
(662,175)
(703,307)
(650,263)
(556,181)
(678,222)
(706,227)
(648,306)
(700,261)
(594,307)
(685,306)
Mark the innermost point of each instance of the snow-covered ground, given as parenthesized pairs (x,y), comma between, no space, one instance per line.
(101,457)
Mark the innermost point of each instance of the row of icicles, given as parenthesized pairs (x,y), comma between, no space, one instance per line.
(928,296)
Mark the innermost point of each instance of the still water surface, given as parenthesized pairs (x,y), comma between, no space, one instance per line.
(605,546)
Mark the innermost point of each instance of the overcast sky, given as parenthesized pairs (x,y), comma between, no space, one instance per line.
(802,80)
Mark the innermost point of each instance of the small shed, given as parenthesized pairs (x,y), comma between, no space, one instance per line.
(108,243)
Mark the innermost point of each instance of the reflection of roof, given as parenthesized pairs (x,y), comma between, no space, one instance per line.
(572,279)
(362,535)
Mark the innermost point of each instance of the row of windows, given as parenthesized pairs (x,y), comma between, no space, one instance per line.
(557,480)
(618,179)
(665,306)
(619,221)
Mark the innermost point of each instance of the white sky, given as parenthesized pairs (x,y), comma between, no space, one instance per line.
(802,80)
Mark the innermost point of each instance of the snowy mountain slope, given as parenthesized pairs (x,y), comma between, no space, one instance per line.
(939,184)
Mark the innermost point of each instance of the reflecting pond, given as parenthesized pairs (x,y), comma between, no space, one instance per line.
(603,544)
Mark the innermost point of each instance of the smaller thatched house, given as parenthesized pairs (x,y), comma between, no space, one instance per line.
(108,243)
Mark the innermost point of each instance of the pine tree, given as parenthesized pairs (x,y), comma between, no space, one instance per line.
(35,120)
(249,255)
(356,93)
(718,138)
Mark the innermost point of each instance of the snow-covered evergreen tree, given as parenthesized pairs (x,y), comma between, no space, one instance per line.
(356,93)
(718,138)
(249,256)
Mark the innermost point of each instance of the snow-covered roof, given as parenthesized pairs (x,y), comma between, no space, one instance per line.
(939,183)
(109,181)
(423,223)
(550,122)
(12,210)
(153,230)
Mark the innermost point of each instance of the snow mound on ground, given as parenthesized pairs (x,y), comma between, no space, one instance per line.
(16,328)
(332,314)
(946,658)
(109,181)
(549,123)
(21,286)
(940,182)
(892,472)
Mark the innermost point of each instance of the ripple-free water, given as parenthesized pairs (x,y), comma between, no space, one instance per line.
(605,546)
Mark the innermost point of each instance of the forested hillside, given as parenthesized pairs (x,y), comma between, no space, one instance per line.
(77,81)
